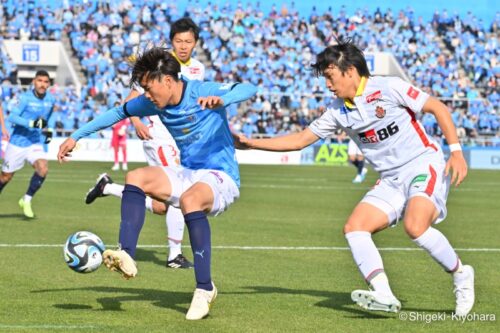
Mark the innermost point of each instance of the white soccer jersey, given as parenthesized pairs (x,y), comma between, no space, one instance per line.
(382,122)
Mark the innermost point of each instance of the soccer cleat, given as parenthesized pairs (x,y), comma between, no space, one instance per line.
(357,179)
(464,290)
(179,262)
(116,167)
(371,300)
(98,189)
(121,262)
(26,207)
(201,303)
(124,167)
(363,174)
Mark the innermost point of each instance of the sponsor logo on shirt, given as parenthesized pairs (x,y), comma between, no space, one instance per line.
(368,136)
(382,134)
(194,70)
(412,93)
(379,112)
(373,97)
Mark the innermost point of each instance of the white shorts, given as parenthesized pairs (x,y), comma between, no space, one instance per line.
(423,177)
(353,149)
(161,153)
(223,187)
(16,156)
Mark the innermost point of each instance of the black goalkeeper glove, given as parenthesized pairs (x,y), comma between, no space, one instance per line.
(39,123)
(49,133)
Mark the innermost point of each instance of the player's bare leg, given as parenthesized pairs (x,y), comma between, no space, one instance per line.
(5,178)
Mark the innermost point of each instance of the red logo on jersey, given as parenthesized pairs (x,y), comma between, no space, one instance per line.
(380,112)
(413,93)
(373,97)
(368,137)
(194,70)
(373,136)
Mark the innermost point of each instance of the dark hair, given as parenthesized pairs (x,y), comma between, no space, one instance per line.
(155,63)
(42,72)
(343,55)
(183,25)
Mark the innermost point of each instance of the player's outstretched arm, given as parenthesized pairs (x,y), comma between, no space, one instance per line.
(456,163)
(214,95)
(65,149)
(210,102)
(290,142)
(103,121)
(238,93)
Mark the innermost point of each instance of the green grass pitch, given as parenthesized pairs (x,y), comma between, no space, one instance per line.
(295,274)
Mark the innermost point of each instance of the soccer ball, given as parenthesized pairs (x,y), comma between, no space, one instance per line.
(83,252)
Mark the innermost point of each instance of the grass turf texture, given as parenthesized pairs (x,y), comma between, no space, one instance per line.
(260,290)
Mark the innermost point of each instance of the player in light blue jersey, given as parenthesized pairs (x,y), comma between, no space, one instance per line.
(28,139)
(159,146)
(206,183)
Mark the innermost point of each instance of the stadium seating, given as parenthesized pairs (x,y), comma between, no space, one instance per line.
(452,57)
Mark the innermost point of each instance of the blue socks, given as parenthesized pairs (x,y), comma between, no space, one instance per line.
(359,165)
(133,213)
(2,185)
(35,184)
(199,235)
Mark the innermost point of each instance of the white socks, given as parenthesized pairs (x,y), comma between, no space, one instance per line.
(369,261)
(113,189)
(437,245)
(27,198)
(149,204)
(175,229)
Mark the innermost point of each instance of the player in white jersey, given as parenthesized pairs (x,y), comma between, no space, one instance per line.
(159,146)
(379,114)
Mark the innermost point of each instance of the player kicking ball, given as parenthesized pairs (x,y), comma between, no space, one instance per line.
(206,183)
(414,176)
(160,148)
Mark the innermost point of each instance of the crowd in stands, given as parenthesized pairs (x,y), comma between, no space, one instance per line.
(455,58)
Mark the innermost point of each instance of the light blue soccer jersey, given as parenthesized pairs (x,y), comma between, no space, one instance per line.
(203,136)
(30,108)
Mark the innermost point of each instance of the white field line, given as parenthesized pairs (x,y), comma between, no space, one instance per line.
(365,187)
(46,327)
(266,248)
